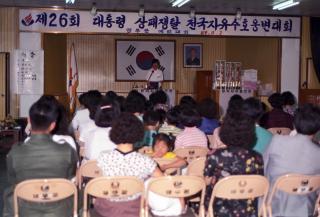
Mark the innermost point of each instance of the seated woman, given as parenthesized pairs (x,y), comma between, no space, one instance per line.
(295,154)
(170,126)
(207,111)
(124,161)
(98,139)
(162,148)
(238,158)
(191,135)
(276,117)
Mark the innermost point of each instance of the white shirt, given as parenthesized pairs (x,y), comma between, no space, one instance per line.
(81,117)
(98,140)
(85,129)
(154,75)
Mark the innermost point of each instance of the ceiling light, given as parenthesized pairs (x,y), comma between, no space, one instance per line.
(285,4)
(141,11)
(238,14)
(93,10)
(70,1)
(179,3)
(192,12)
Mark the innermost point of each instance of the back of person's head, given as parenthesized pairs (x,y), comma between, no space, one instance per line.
(135,102)
(126,129)
(121,101)
(111,94)
(93,100)
(207,108)
(151,118)
(107,111)
(190,117)
(238,129)
(253,108)
(82,99)
(187,101)
(162,115)
(173,116)
(276,100)
(158,97)
(165,139)
(307,119)
(235,103)
(288,98)
(62,123)
(42,114)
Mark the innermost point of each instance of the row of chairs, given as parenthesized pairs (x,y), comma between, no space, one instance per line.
(232,187)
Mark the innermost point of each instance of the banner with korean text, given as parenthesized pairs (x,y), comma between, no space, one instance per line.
(70,21)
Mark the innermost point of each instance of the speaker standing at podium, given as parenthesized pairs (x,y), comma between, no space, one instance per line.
(154,76)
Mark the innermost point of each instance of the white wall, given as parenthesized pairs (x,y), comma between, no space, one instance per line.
(290,65)
(30,41)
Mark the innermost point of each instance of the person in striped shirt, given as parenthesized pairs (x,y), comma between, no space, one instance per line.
(191,135)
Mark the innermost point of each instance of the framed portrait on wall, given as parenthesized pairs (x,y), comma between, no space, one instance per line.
(192,55)
(134,59)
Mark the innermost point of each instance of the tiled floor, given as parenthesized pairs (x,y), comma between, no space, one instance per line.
(3,179)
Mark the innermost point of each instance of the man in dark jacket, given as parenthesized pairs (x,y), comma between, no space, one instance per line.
(40,157)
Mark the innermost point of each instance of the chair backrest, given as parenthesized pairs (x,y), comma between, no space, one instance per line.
(294,184)
(196,167)
(44,191)
(177,187)
(191,153)
(162,161)
(280,130)
(112,188)
(240,187)
(89,169)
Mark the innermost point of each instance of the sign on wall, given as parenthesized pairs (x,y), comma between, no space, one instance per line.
(46,20)
(28,66)
(134,59)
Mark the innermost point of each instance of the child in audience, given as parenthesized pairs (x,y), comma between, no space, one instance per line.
(172,121)
(207,111)
(191,135)
(162,148)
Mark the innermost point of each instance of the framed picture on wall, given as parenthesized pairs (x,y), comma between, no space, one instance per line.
(192,55)
(134,59)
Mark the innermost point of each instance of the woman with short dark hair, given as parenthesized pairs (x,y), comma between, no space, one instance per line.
(238,158)
(124,161)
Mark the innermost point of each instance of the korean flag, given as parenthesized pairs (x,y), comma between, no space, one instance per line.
(134,59)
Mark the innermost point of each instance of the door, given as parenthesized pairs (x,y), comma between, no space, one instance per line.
(4,72)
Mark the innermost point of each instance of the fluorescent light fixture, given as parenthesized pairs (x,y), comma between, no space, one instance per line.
(179,3)
(70,1)
(285,4)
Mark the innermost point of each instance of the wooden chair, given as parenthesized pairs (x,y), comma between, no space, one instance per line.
(191,153)
(170,171)
(279,130)
(177,187)
(240,187)
(89,170)
(295,184)
(111,188)
(45,191)
(196,167)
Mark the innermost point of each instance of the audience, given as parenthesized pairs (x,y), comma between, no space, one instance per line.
(124,161)
(40,157)
(295,154)
(276,117)
(135,104)
(238,133)
(191,135)
(82,114)
(253,108)
(98,139)
(207,111)
(170,126)
(151,120)
(289,102)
